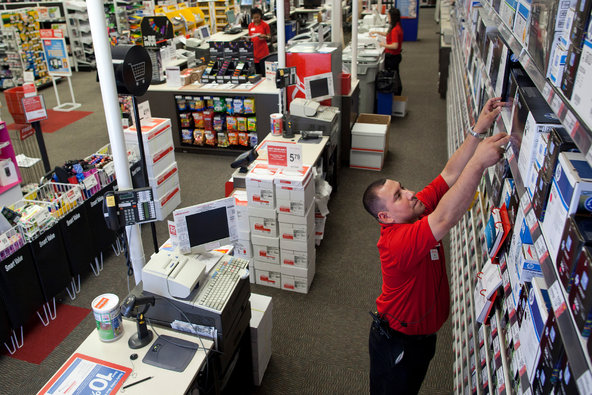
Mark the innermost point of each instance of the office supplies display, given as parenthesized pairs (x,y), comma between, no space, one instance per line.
(532,332)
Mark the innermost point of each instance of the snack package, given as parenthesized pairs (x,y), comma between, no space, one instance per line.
(198,120)
(253,139)
(238,105)
(181,104)
(209,103)
(219,122)
(208,117)
(233,138)
(191,104)
(231,125)
(222,140)
(252,124)
(219,104)
(199,103)
(249,105)
(210,138)
(198,137)
(185,119)
(241,124)
(229,108)
(187,136)
(243,139)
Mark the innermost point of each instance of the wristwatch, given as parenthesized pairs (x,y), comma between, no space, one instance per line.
(475,134)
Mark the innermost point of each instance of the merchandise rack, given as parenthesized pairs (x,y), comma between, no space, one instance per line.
(462,111)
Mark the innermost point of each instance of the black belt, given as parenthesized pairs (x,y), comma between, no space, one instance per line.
(383,326)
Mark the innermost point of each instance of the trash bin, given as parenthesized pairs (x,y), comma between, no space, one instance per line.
(367,69)
(14,98)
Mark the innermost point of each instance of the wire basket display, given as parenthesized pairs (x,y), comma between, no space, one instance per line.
(10,242)
(59,198)
(34,218)
(105,168)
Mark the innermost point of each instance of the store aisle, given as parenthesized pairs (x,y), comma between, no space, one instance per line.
(320,340)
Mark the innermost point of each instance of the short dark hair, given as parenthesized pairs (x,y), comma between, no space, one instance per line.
(395,17)
(372,202)
(256,10)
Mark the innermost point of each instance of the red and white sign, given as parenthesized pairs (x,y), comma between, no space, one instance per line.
(284,154)
(29,89)
(34,108)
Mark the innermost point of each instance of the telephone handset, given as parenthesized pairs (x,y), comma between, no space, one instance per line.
(123,208)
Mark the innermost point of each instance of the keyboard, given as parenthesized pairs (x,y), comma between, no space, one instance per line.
(221,281)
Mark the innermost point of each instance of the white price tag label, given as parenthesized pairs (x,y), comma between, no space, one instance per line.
(585,383)
(531,220)
(4,242)
(547,91)
(90,182)
(109,169)
(541,249)
(557,300)
(556,104)
(144,110)
(284,155)
(589,155)
(570,123)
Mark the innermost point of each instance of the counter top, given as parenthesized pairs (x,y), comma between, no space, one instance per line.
(262,87)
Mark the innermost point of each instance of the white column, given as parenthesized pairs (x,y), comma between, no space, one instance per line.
(102,48)
(354,41)
(281,34)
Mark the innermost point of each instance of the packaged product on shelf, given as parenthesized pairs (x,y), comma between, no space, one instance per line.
(210,137)
(232,138)
(219,122)
(209,103)
(198,120)
(238,105)
(223,140)
(241,124)
(249,105)
(191,104)
(253,139)
(229,108)
(243,139)
(252,124)
(199,103)
(219,104)
(208,116)
(231,124)
(187,136)
(181,104)
(198,137)
(185,120)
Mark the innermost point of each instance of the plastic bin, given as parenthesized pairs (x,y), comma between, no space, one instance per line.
(367,80)
(14,98)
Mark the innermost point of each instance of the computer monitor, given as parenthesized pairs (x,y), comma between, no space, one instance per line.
(205,226)
(311,3)
(319,87)
(204,32)
(246,3)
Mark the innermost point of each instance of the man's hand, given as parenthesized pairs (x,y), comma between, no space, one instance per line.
(491,150)
(489,113)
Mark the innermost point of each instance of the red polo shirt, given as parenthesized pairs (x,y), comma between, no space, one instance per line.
(395,36)
(260,48)
(414,280)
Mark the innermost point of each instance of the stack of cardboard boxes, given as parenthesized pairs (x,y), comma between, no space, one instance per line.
(369,141)
(162,169)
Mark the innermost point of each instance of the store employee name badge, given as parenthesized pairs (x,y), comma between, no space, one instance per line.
(282,154)
(434,253)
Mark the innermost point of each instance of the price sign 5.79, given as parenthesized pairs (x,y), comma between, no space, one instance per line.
(288,154)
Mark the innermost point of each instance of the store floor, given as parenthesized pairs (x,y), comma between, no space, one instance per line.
(320,340)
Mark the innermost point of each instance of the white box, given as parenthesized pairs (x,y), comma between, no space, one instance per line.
(266,249)
(167,203)
(557,63)
(297,279)
(571,191)
(299,258)
(529,266)
(399,107)
(522,21)
(296,227)
(241,205)
(156,133)
(367,160)
(369,136)
(581,98)
(261,326)
(165,181)
(266,274)
(158,162)
(507,11)
(294,191)
(263,222)
(260,187)
(530,142)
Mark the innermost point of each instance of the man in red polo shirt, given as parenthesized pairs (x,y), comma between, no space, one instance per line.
(259,33)
(415,298)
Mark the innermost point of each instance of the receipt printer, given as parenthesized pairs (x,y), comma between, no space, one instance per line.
(303,107)
(172,274)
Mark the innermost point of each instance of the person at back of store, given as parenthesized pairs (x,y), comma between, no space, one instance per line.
(260,34)
(393,47)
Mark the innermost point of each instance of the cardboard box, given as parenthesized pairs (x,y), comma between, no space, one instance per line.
(241,202)
(165,182)
(369,136)
(260,185)
(366,160)
(156,133)
(299,258)
(297,279)
(376,119)
(261,326)
(580,297)
(270,278)
(529,266)
(557,63)
(582,94)
(263,222)
(399,106)
(576,234)
(522,21)
(266,249)
(296,227)
(294,190)
(165,205)
(571,192)
(508,11)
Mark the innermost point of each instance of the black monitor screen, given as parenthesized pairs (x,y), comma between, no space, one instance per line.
(311,3)
(207,226)
(319,87)
(205,33)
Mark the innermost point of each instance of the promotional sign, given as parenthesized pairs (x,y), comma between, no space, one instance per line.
(34,108)
(284,154)
(156,30)
(56,54)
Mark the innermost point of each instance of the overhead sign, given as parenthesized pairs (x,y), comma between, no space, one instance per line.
(55,51)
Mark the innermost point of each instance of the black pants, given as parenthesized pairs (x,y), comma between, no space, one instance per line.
(392,374)
(391,63)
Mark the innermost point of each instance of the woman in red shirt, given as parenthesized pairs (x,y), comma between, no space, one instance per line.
(393,45)
(259,33)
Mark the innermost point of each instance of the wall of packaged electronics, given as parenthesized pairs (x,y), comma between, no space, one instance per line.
(521,257)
